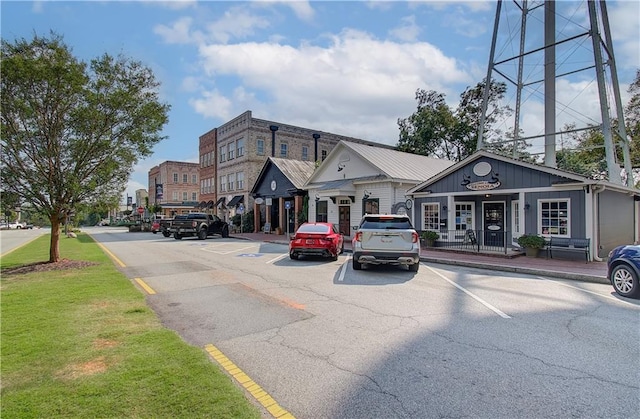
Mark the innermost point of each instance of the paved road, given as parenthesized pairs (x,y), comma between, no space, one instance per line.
(329,342)
(12,239)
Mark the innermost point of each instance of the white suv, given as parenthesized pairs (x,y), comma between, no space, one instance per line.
(386,240)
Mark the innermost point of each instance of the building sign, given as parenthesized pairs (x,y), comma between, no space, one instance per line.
(482,185)
(159,193)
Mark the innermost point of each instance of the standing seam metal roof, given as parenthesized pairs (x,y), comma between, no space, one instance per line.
(398,164)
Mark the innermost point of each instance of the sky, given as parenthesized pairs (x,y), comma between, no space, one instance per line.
(346,67)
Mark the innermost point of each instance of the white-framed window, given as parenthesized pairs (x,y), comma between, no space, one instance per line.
(305,153)
(323,153)
(230,182)
(515,220)
(260,147)
(231,150)
(223,154)
(554,217)
(184,196)
(464,216)
(223,183)
(283,150)
(240,180)
(175,196)
(194,179)
(202,186)
(185,178)
(431,216)
(240,147)
(175,178)
(194,196)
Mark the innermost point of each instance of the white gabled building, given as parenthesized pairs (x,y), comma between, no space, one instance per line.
(356,179)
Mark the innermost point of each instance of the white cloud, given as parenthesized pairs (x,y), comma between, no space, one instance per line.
(625,30)
(407,31)
(357,83)
(178,33)
(237,23)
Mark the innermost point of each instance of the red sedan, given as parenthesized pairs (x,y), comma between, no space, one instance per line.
(316,239)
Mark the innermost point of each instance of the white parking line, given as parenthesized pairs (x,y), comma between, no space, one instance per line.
(278,258)
(587,291)
(344,269)
(211,249)
(470,294)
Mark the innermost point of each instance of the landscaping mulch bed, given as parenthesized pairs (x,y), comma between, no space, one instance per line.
(63,264)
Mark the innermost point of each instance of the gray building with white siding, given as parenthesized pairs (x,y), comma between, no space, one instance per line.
(496,199)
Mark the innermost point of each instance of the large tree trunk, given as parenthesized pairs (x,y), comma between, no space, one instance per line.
(54,247)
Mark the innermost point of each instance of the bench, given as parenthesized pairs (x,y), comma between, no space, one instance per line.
(569,245)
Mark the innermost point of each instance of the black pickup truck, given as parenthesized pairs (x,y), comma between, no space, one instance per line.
(165,225)
(199,225)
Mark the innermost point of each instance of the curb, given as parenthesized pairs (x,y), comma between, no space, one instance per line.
(479,265)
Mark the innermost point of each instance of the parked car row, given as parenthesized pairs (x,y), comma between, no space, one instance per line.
(15,225)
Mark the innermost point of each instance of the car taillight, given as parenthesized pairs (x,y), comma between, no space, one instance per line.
(359,236)
(414,237)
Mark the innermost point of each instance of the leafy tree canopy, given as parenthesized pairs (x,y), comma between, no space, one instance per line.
(437,130)
(72,131)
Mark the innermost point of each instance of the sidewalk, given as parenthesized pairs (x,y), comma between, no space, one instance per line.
(556,268)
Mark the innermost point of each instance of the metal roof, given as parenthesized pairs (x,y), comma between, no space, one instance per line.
(297,171)
(398,164)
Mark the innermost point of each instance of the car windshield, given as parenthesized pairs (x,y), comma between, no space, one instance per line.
(192,216)
(382,223)
(314,228)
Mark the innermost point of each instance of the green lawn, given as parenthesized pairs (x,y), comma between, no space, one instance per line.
(83,343)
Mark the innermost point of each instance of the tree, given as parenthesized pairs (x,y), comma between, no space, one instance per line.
(435,129)
(585,152)
(72,131)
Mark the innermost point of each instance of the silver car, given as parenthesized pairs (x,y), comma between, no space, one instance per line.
(386,240)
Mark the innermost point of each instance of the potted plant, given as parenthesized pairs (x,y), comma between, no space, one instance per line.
(429,237)
(531,243)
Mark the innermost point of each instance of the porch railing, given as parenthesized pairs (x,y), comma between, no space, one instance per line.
(489,241)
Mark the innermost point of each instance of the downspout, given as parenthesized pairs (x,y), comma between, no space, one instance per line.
(595,191)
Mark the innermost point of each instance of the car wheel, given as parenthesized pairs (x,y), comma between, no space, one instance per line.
(334,257)
(202,234)
(293,255)
(177,236)
(154,232)
(342,248)
(166,233)
(625,281)
(414,267)
(225,231)
(356,265)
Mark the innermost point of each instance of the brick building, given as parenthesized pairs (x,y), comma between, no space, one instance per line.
(174,185)
(236,152)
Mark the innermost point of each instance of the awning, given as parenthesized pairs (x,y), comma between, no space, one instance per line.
(236,200)
(209,205)
(202,204)
(220,202)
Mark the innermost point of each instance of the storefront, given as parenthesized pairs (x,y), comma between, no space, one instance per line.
(492,200)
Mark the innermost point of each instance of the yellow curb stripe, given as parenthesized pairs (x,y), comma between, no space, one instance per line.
(112,256)
(251,386)
(144,286)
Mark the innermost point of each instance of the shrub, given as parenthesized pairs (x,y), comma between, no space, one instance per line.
(430,235)
(531,240)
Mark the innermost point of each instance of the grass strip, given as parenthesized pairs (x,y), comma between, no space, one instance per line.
(83,343)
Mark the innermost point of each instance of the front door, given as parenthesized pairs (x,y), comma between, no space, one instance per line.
(344,224)
(493,223)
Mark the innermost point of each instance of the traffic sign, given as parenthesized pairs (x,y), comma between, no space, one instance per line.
(287,204)
(240,209)
(140,210)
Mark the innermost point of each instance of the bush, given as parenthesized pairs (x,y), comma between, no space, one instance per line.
(430,235)
(532,241)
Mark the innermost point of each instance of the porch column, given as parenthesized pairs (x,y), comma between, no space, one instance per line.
(521,214)
(297,203)
(282,214)
(256,218)
(451,214)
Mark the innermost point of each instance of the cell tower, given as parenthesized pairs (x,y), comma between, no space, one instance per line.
(533,54)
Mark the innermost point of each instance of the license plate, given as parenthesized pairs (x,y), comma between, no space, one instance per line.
(310,241)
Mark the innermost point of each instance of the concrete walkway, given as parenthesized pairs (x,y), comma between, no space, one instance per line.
(556,268)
